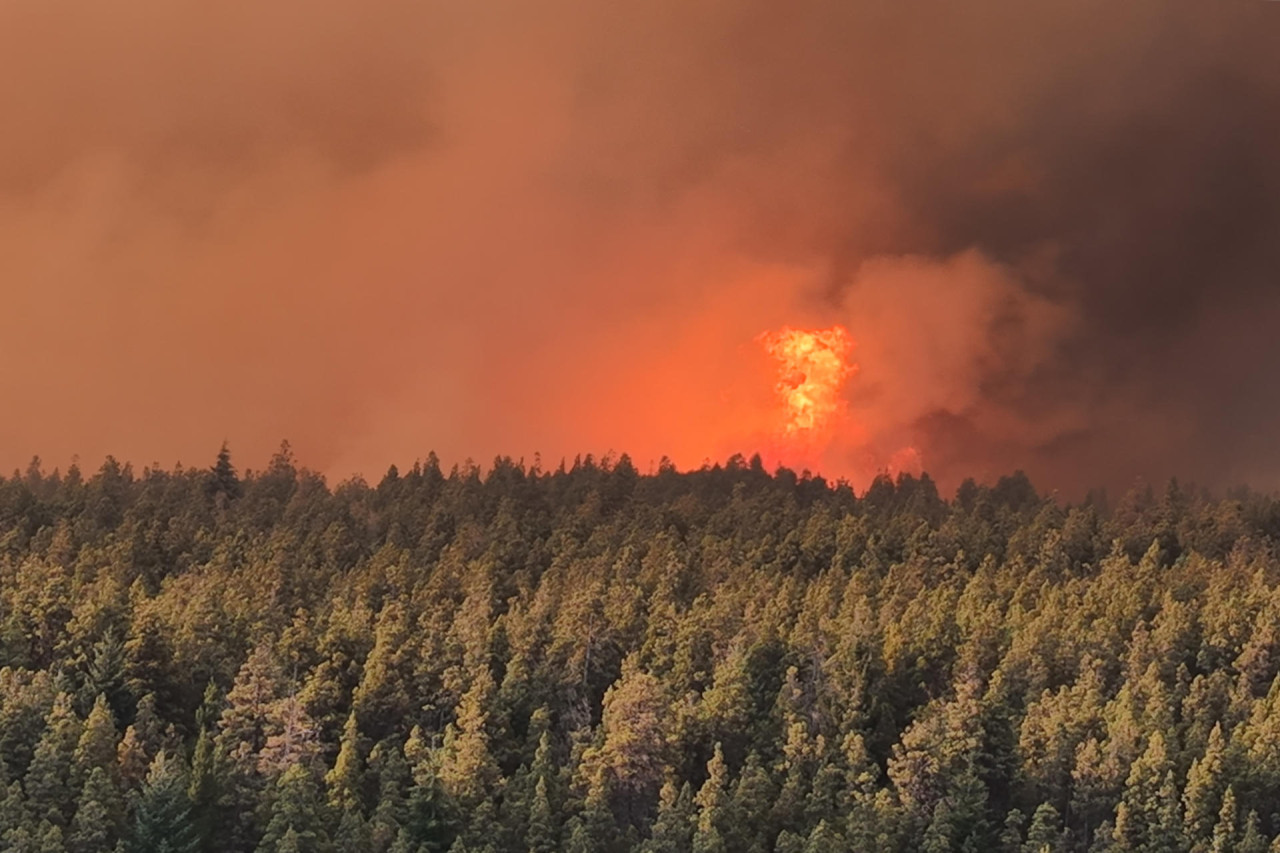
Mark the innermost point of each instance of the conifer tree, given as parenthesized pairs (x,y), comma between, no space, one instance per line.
(49,838)
(205,790)
(15,817)
(50,783)
(99,816)
(713,807)
(1044,835)
(467,769)
(96,746)
(380,699)
(223,482)
(430,812)
(824,839)
(542,835)
(675,824)
(594,830)
(353,836)
(1252,840)
(1202,798)
(753,794)
(132,762)
(393,809)
(105,675)
(1224,832)
(162,818)
(1144,816)
(297,815)
(344,779)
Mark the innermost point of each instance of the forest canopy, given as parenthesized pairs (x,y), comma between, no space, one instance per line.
(596,659)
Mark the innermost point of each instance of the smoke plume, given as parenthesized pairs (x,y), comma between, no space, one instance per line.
(380,228)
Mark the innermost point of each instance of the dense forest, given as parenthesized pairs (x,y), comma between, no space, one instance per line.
(595,659)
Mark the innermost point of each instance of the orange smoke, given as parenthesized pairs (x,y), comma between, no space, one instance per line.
(813,367)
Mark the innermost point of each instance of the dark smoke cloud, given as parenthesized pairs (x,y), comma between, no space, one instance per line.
(379,228)
(1120,161)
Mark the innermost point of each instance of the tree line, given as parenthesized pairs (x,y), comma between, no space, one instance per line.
(596,660)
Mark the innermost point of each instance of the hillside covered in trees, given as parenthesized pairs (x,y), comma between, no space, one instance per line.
(593,659)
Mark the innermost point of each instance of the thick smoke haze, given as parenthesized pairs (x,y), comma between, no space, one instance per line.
(377,229)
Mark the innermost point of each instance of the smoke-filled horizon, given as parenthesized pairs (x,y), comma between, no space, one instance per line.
(1051,230)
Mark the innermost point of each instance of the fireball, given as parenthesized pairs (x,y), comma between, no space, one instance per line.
(813,368)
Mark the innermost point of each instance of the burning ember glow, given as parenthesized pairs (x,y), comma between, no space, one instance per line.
(812,370)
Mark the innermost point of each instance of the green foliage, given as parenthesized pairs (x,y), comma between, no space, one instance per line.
(50,780)
(99,817)
(297,816)
(162,818)
(591,659)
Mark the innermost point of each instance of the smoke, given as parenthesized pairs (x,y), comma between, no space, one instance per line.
(1053,230)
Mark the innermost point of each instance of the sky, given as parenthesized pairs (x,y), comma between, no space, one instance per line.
(379,229)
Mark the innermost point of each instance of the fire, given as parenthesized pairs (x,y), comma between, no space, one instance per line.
(813,367)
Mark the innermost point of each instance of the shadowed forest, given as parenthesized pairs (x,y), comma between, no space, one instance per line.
(596,660)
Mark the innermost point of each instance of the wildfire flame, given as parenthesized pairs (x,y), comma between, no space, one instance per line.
(813,367)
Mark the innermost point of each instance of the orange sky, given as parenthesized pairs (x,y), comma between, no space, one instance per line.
(384,228)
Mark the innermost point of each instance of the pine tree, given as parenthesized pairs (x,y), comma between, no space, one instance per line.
(162,818)
(297,815)
(826,801)
(1011,836)
(592,831)
(970,827)
(344,779)
(292,737)
(205,790)
(380,700)
(223,482)
(1202,798)
(430,822)
(1166,835)
(940,833)
(788,842)
(243,726)
(467,768)
(290,842)
(15,817)
(753,795)
(105,675)
(353,835)
(50,783)
(675,824)
(1224,832)
(1044,835)
(393,809)
(99,816)
(1145,818)
(50,838)
(630,760)
(96,747)
(149,671)
(824,839)
(713,807)
(542,835)
(1252,840)
(579,838)
(132,762)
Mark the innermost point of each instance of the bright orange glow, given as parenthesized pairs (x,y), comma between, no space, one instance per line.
(813,367)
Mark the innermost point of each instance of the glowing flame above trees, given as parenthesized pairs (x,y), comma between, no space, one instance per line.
(813,367)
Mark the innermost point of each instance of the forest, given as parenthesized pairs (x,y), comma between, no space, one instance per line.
(598,660)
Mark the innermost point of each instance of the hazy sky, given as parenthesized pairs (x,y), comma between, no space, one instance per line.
(386,227)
